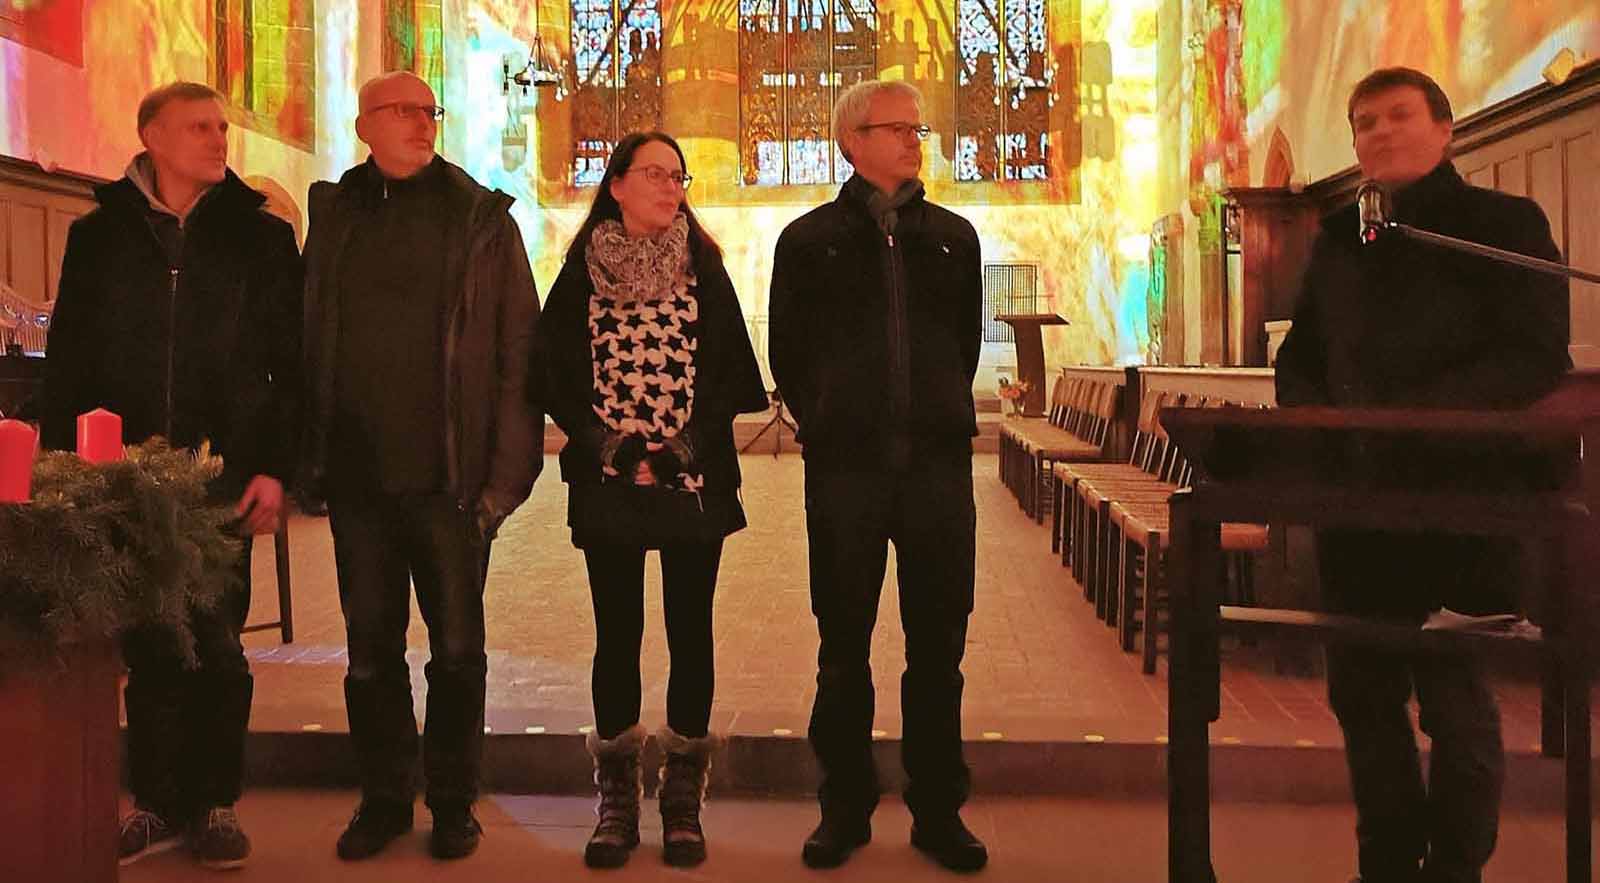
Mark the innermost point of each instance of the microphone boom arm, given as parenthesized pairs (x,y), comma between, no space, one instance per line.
(1488,251)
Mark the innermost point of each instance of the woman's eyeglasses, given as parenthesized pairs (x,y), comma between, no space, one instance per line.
(659,175)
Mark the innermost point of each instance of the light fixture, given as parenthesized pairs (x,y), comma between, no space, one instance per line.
(1560,67)
(542,69)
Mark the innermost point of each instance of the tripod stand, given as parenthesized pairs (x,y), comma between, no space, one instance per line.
(778,421)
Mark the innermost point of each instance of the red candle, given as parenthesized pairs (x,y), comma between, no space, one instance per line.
(18,445)
(100,436)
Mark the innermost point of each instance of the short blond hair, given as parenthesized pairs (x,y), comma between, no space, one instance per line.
(855,103)
(183,90)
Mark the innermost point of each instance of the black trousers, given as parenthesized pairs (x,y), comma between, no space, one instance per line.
(186,726)
(382,546)
(927,511)
(1448,827)
(616,583)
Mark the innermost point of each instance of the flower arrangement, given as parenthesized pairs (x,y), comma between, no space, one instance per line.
(1014,393)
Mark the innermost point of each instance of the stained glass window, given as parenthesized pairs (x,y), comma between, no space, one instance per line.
(1004,90)
(795,56)
(616,72)
(413,40)
(264,64)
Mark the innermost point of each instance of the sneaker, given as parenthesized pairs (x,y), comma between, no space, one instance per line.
(947,841)
(144,833)
(218,841)
(374,826)
(455,833)
(830,845)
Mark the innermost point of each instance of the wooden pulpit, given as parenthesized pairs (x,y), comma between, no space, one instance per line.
(1030,354)
(1324,467)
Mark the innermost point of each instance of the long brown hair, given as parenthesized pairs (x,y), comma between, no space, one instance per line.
(605,207)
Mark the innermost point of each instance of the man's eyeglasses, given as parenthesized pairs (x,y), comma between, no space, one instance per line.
(659,175)
(408,111)
(901,130)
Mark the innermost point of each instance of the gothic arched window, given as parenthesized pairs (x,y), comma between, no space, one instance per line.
(615,68)
(795,56)
(1004,90)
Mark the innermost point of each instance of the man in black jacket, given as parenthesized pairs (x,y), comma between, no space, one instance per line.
(875,335)
(179,309)
(1397,323)
(420,312)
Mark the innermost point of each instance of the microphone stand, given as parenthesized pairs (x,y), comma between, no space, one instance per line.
(1473,248)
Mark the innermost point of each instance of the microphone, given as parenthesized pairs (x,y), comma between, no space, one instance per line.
(1372,207)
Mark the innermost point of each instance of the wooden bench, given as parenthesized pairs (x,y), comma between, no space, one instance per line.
(1116,521)
(1085,405)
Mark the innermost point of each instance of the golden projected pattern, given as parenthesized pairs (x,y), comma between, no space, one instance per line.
(264,63)
(794,58)
(413,40)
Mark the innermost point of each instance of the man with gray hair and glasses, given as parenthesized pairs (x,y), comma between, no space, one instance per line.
(420,308)
(876,326)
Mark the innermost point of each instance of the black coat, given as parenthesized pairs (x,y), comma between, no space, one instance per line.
(727,382)
(1403,324)
(493,440)
(832,337)
(208,351)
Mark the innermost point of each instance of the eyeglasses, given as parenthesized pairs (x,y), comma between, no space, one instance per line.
(408,111)
(901,130)
(659,175)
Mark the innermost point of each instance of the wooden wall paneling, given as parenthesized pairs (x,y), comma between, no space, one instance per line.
(27,274)
(1581,161)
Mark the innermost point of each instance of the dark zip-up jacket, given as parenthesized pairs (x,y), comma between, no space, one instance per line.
(727,380)
(206,347)
(875,337)
(1406,324)
(493,437)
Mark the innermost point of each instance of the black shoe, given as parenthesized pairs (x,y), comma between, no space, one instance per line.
(833,841)
(455,833)
(218,841)
(144,833)
(947,841)
(372,828)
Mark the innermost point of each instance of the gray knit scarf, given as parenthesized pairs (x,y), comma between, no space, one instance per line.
(885,207)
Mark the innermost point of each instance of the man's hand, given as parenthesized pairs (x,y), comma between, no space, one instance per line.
(260,510)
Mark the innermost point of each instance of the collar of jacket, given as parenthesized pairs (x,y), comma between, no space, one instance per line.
(1422,199)
(368,182)
(228,195)
(856,195)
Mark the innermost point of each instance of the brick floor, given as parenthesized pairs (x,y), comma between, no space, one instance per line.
(1039,665)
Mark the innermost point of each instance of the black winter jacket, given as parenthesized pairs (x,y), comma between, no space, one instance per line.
(835,334)
(727,377)
(493,438)
(1406,324)
(206,350)
(1400,323)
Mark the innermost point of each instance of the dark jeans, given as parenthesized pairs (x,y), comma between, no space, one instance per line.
(927,511)
(1449,825)
(186,726)
(616,582)
(382,545)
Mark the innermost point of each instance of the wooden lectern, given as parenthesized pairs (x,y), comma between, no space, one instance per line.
(1030,354)
(1325,467)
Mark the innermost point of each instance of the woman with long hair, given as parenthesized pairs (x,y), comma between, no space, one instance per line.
(642,358)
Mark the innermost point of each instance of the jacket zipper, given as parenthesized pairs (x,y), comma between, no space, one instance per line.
(172,341)
(896,326)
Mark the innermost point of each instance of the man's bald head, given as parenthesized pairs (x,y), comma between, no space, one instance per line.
(394,86)
(399,122)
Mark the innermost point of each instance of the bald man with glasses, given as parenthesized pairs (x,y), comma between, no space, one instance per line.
(420,307)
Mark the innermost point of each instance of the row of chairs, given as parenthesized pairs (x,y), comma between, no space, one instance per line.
(1109,511)
(1078,427)
(1111,527)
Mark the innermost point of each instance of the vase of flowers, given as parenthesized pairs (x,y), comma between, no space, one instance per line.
(1015,395)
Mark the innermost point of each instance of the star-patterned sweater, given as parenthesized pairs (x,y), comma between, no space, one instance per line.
(644,367)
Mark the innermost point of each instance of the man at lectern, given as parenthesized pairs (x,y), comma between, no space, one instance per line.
(1385,321)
